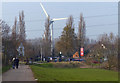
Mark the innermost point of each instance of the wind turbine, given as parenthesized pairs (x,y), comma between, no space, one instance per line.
(51,22)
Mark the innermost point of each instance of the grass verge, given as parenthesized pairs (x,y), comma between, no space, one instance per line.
(47,72)
(5,68)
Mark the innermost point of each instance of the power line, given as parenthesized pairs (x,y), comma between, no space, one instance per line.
(35,30)
(103,25)
(94,35)
(98,25)
(77,27)
(98,16)
(38,20)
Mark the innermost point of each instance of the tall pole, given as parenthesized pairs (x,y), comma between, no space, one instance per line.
(15,43)
(52,40)
(41,53)
(42,47)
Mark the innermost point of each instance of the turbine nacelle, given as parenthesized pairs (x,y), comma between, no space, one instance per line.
(51,22)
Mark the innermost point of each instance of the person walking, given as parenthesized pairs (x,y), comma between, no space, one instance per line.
(13,63)
(16,62)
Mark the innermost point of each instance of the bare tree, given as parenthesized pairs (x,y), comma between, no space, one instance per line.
(21,25)
(14,37)
(109,44)
(5,28)
(5,41)
(47,41)
(81,33)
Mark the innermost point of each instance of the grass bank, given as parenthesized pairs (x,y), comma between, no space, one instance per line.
(47,72)
(5,68)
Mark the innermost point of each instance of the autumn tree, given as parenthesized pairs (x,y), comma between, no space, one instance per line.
(67,41)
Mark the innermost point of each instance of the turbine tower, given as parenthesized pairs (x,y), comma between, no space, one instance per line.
(51,23)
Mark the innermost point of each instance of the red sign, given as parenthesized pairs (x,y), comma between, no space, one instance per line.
(82,52)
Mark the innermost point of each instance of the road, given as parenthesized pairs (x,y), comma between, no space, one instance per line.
(23,74)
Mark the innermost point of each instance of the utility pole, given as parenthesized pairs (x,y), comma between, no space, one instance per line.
(52,41)
(42,47)
(41,52)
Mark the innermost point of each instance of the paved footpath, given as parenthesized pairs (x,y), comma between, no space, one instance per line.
(23,73)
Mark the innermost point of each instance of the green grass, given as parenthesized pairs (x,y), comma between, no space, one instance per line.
(46,72)
(5,68)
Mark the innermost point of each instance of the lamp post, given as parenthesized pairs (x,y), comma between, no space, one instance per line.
(60,52)
(41,53)
(103,46)
(42,47)
(60,56)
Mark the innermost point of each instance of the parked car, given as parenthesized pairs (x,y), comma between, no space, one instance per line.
(96,62)
(79,60)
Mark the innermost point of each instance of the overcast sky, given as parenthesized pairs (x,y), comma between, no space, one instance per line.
(100,17)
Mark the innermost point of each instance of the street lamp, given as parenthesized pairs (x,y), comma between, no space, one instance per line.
(103,46)
(105,58)
(60,53)
(41,53)
(60,56)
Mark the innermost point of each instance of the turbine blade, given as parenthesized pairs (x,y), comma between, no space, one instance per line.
(44,10)
(54,19)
